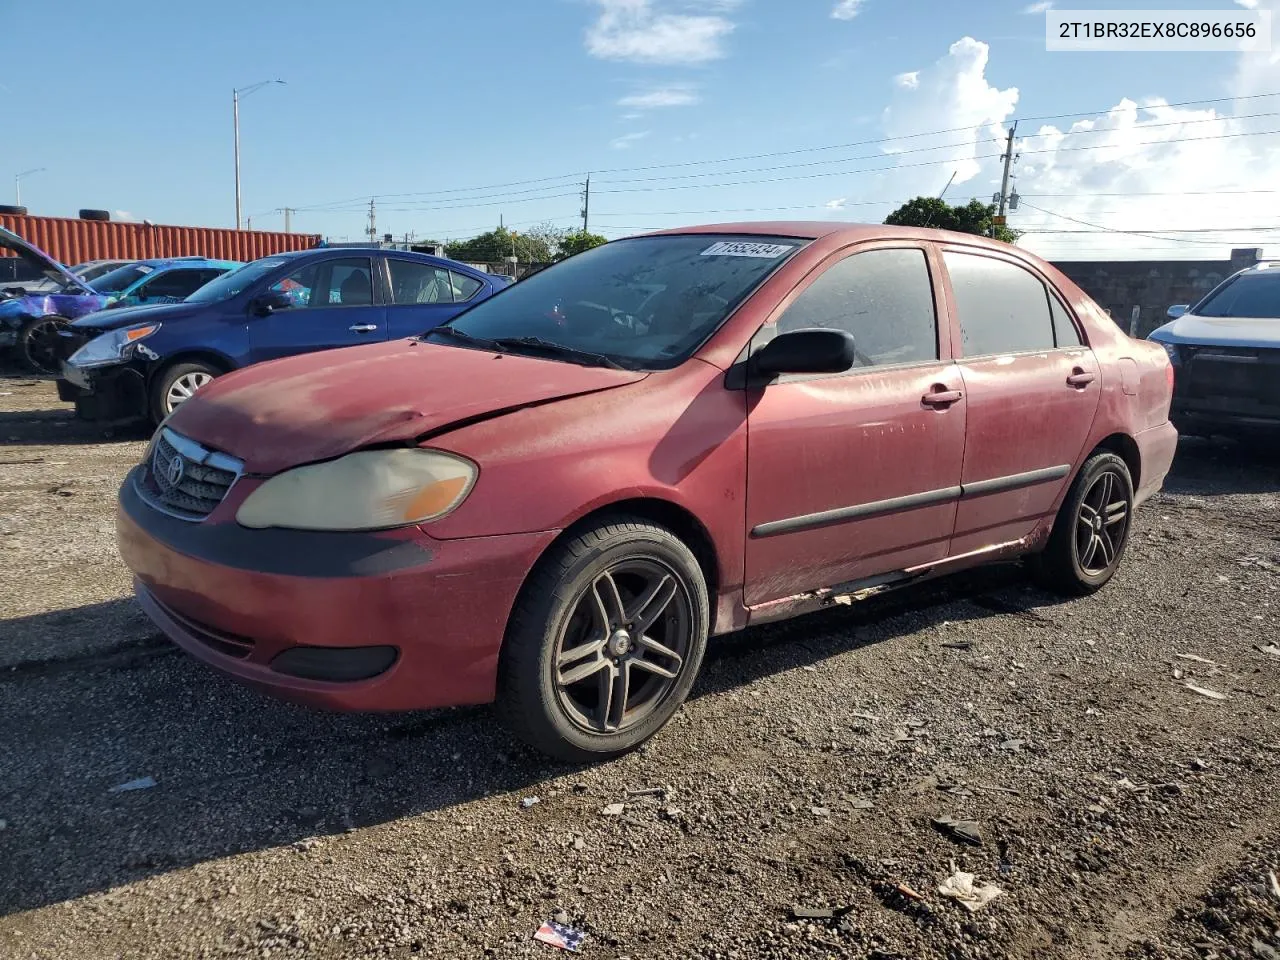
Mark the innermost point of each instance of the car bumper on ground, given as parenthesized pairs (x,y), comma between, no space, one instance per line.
(104,393)
(346,621)
(1226,390)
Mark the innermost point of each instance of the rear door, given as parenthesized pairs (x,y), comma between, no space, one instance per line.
(856,474)
(334,306)
(1032,386)
(424,295)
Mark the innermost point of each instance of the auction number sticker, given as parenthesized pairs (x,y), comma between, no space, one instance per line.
(740,248)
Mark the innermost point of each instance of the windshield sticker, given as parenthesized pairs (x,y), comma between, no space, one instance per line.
(143,268)
(739,248)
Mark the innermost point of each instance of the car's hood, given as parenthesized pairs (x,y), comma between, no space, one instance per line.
(41,260)
(321,405)
(113,319)
(1256,332)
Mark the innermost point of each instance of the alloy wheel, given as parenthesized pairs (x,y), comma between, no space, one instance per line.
(623,646)
(183,387)
(1102,523)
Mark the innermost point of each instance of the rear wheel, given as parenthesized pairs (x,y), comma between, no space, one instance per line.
(39,344)
(177,384)
(605,641)
(1091,530)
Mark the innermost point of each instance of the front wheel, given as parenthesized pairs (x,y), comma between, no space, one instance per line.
(605,641)
(39,344)
(1091,530)
(177,384)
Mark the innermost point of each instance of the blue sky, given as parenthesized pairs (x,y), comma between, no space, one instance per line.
(438,108)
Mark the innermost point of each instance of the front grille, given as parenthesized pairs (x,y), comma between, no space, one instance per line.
(1222,373)
(185,479)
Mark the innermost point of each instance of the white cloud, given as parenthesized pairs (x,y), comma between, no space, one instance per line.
(678,95)
(625,141)
(1042,6)
(634,30)
(836,204)
(847,9)
(122,215)
(1100,169)
(909,80)
(1248,4)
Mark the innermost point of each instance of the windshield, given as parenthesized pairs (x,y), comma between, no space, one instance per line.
(648,302)
(237,281)
(121,278)
(1248,295)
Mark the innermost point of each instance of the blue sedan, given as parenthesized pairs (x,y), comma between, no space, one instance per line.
(141,362)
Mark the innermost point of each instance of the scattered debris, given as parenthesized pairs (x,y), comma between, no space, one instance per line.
(528,802)
(1264,952)
(1272,649)
(1271,877)
(907,892)
(672,813)
(861,804)
(809,668)
(307,843)
(992,788)
(61,492)
(963,887)
(820,811)
(1205,691)
(23,461)
(579,844)
(812,913)
(1194,659)
(560,935)
(967,831)
(1178,674)
(614,810)
(1260,562)
(958,645)
(871,718)
(1198,764)
(647,792)
(142,783)
(1013,745)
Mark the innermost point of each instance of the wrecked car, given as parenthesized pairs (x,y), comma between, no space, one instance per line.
(552,500)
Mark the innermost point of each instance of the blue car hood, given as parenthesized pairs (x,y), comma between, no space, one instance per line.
(1248,332)
(42,261)
(105,320)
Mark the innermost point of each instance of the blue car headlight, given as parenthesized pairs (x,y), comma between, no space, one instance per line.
(115,346)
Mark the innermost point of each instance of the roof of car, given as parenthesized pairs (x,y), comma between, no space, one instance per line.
(186,262)
(818,229)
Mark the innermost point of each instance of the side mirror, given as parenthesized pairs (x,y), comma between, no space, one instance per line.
(805,351)
(1178,310)
(268,303)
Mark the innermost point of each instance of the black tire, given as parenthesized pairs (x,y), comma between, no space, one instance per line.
(95,214)
(167,378)
(12,210)
(38,346)
(1087,545)
(536,700)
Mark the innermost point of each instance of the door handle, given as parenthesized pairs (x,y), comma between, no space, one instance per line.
(363,328)
(941,398)
(1080,378)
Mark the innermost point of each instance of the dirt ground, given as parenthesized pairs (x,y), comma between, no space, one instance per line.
(1120,812)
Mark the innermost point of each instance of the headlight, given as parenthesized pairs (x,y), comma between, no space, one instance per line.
(112,347)
(370,490)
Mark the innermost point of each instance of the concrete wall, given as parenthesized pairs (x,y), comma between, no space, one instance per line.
(1151,285)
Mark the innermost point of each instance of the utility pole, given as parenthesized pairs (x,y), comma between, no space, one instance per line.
(586,204)
(373,221)
(288,221)
(236,94)
(1008,159)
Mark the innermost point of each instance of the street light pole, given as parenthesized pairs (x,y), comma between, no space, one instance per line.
(17,183)
(235,119)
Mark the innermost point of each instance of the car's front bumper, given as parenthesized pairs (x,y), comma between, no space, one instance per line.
(238,599)
(116,393)
(1226,389)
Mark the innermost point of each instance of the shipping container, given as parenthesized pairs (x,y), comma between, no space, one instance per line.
(72,241)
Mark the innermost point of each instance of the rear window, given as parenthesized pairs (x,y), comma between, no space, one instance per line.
(1248,295)
(647,302)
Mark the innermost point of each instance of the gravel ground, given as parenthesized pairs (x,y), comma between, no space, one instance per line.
(1120,813)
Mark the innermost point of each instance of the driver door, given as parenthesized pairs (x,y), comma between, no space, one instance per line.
(856,474)
(333,306)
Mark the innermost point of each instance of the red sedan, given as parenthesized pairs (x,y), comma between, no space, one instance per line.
(551,501)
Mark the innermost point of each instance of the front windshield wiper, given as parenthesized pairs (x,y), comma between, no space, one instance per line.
(585,357)
(457,334)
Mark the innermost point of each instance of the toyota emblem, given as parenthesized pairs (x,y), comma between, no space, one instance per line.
(176,470)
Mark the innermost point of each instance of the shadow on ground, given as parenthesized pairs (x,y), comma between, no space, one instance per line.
(1209,468)
(237,771)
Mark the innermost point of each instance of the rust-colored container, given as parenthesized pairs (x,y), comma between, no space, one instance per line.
(71,241)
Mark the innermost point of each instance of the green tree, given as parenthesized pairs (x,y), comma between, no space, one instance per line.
(497,245)
(576,242)
(974,217)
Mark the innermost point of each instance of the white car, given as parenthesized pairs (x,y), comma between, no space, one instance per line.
(1226,356)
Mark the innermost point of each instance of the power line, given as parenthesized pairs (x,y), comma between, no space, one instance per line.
(1153,234)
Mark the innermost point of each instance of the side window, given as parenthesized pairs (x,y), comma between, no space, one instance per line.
(174,284)
(883,297)
(419,283)
(350,283)
(464,287)
(1065,333)
(299,285)
(1002,307)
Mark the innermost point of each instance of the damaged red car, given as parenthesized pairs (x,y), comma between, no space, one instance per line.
(552,500)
